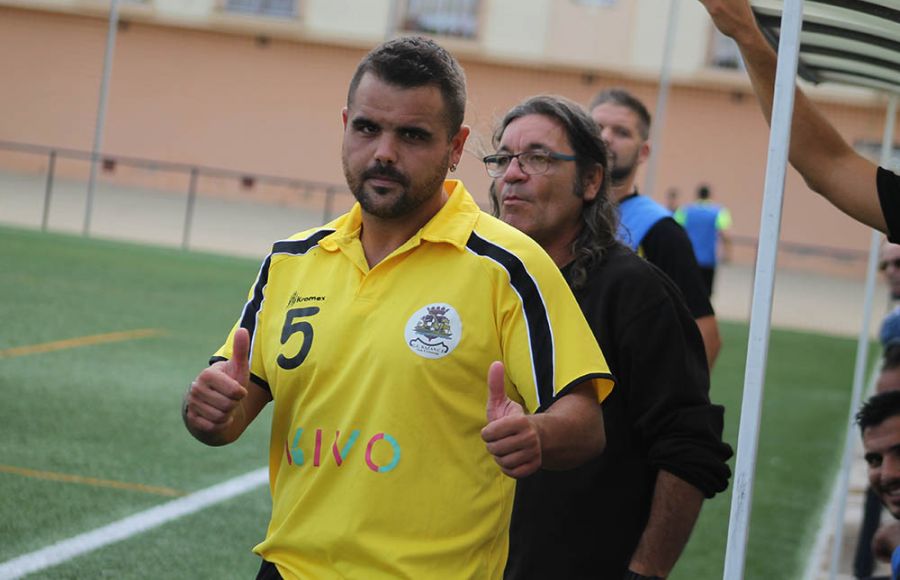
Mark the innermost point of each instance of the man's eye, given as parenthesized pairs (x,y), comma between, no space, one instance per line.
(365,128)
(415,135)
(538,158)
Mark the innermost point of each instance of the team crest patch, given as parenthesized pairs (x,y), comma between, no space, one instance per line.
(433,331)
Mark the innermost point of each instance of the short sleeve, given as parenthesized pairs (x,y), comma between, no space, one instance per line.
(889,196)
(548,347)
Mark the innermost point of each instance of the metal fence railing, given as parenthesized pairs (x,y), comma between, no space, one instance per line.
(200,207)
(133,186)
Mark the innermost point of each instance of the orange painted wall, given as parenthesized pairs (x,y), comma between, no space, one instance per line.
(209,98)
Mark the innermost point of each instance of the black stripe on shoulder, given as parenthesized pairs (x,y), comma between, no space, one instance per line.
(256,380)
(254,305)
(565,390)
(299,247)
(293,247)
(540,334)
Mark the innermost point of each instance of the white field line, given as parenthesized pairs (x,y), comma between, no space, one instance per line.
(131,526)
(817,562)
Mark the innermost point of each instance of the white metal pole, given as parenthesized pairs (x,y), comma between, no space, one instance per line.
(763,290)
(656,129)
(862,356)
(101,111)
(393,15)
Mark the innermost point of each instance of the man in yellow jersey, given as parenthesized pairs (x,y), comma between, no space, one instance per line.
(629,512)
(374,336)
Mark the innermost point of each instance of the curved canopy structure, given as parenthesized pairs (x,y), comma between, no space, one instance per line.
(852,42)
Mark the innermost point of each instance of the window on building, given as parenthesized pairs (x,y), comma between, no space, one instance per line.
(724,52)
(447,17)
(276,8)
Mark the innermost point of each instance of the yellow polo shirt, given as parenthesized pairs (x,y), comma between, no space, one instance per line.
(377,468)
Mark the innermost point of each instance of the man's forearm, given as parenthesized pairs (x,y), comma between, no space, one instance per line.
(824,159)
(812,136)
(571,430)
(712,342)
(676,505)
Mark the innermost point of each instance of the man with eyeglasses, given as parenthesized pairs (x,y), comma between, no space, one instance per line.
(629,512)
(828,164)
(889,263)
(419,354)
(645,225)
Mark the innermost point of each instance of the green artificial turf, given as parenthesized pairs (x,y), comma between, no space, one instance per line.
(111,411)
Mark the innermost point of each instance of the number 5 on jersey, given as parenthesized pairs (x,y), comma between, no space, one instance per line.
(293,325)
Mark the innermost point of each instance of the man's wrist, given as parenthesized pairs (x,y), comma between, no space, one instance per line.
(632,575)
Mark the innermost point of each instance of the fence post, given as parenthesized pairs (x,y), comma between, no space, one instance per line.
(48,190)
(189,211)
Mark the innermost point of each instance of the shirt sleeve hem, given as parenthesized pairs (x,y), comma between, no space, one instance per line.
(603,385)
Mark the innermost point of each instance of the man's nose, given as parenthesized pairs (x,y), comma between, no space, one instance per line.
(890,470)
(514,171)
(386,150)
(605,134)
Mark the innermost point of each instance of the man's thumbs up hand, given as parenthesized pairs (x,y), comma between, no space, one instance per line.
(510,435)
(216,394)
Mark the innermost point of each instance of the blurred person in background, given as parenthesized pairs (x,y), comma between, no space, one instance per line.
(706,224)
(889,263)
(879,423)
(646,226)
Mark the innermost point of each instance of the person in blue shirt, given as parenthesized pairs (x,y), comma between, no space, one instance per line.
(706,223)
(645,225)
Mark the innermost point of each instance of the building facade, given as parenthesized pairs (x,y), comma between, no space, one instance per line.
(257,86)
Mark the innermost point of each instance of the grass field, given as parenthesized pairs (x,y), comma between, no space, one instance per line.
(106,410)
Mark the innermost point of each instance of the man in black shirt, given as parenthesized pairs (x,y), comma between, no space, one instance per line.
(647,226)
(856,186)
(630,512)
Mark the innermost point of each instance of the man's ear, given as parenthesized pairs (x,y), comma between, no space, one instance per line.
(458,144)
(644,152)
(344,113)
(592,183)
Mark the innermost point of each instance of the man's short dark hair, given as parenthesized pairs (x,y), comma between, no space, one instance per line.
(703,192)
(877,409)
(415,61)
(621,97)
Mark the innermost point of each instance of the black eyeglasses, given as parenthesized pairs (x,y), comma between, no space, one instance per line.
(883,265)
(530,162)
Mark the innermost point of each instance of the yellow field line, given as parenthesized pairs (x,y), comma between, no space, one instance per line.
(80,341)
(53,476)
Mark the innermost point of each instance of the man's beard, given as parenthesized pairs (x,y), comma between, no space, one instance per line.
(621,170)
(411,195)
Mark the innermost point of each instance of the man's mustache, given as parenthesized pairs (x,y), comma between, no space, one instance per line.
(385,172)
